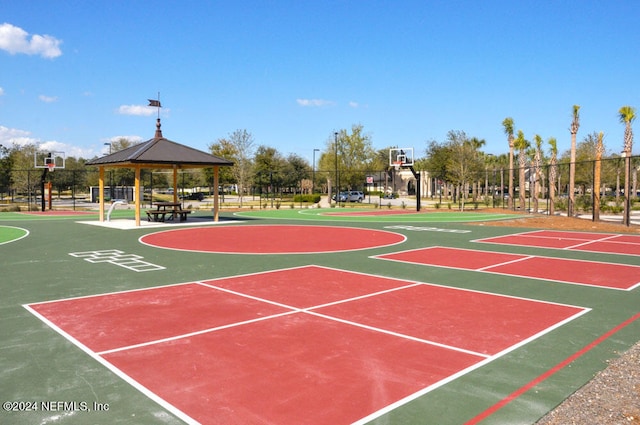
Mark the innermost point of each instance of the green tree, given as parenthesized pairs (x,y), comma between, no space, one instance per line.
(436,162)
(223,148)
(507,124)
(6,166)
(575,125)
(268,169)
(537,175)
(521,144)
(464,162)
(240,149)
(553,173)
(599,151)
(350,155)
(627,115)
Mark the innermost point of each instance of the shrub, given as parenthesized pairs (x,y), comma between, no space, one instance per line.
(314,199)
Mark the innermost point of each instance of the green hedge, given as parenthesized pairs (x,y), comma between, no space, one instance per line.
(314,199)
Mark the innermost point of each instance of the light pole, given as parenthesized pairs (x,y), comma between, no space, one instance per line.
(335,136)
(313,181)
(110,174)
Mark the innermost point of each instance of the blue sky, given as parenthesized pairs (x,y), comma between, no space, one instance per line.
(76,74)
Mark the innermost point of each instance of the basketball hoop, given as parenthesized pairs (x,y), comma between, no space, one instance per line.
(51,166)
(397,164)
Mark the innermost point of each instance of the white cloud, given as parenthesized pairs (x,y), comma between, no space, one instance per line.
(139,110)
(315,102)
(47,99)
(354,104)
(132,139)
(14,136)
(16,40)
(1,91)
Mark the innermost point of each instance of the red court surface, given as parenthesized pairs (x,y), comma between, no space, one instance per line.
(58,212)
(607,275)
(272,239)
(373,213)
(348,349)
(579,241)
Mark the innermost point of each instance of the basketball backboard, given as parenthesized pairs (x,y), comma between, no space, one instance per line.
(401,157)
(49,159)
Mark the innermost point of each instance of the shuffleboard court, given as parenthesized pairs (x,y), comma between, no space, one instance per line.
(272,239)
(593,273)
(579,241)
(349,350)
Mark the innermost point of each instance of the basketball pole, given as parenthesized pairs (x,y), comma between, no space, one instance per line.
(42,182)
(416,174)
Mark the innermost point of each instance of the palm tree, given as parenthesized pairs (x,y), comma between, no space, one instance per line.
(522,145)
(476,144)
(536,168)
(553,173)
(596,177)
(508,130)
(627,114)
(575,124)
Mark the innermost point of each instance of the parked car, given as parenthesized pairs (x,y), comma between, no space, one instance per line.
(195,196)
(342,197)
(349,196)
(355,196)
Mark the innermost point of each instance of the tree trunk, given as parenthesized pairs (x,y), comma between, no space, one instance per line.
(596,189)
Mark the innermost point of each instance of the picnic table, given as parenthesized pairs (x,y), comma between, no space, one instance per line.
(170,209)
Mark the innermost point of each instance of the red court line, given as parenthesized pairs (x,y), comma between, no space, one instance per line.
(490,411)
(607,275)
(217,356)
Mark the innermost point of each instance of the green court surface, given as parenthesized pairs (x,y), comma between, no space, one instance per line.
(365,215)
(43,258)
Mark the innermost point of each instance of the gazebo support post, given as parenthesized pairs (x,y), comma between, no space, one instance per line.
(175,183)
(216,194)
(137,195)
(101,193)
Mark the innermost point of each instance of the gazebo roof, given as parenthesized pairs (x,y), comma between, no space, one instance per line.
(159,152)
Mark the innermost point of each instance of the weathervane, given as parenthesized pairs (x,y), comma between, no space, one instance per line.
(156,104)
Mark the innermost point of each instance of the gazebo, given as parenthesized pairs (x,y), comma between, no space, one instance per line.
(159,153)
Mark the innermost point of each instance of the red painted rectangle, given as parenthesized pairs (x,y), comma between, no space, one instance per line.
(535,241)
(215,356)
(607,275)
(291,370)
(580,241)
(306,286)
(449,257)
(610,247)
(475,321)
(107,322)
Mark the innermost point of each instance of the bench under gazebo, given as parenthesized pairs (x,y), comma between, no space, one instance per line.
(159,153)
